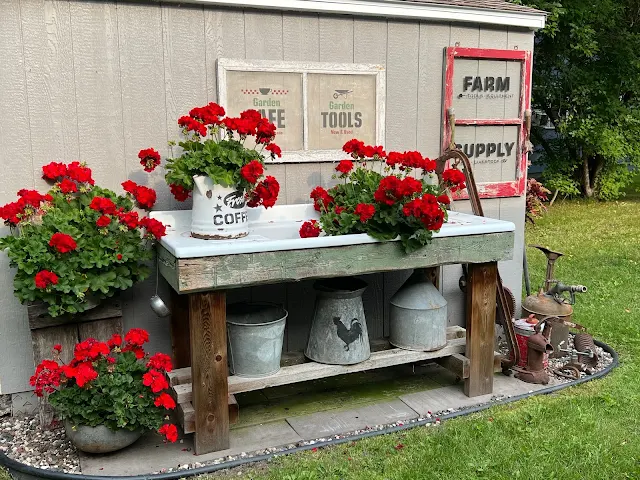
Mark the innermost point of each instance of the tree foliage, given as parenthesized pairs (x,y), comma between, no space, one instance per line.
(586,78)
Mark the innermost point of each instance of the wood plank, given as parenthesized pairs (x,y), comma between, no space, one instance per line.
(207,316)
(48,60)
(96,61)
(39,317)
(456,363)
(187,414)
(402,85)
(481,317)
(180,336)
(101,330)
(180,376)
(43,341)
(233,271)
(313,370)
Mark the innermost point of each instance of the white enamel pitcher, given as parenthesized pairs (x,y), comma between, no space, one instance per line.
(219,211)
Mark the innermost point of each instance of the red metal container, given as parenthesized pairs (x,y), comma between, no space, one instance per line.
(523,331)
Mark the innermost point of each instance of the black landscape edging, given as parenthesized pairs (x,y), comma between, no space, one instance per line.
(20,471)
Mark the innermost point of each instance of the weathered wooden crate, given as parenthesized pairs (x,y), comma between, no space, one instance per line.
(100,323)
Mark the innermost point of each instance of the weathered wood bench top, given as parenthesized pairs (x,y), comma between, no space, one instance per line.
(273,251)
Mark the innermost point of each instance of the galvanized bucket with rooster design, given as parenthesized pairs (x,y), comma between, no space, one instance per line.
(338,333)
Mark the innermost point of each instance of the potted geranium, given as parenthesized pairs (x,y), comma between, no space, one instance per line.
(79,243)
(222,163)
(110,393)
(381,195)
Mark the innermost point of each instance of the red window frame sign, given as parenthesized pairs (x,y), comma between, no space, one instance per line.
(510,188)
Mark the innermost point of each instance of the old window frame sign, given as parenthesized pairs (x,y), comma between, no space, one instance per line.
(489,88)
(311,74)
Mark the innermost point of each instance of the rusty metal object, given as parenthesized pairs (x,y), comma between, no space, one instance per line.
(551,260)
(583,357)
(203,236)
(583,342)
(506,311)
(537,345)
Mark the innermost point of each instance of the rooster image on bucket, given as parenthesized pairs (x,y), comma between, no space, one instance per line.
(338,333)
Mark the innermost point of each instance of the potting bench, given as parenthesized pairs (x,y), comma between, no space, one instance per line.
(273,252)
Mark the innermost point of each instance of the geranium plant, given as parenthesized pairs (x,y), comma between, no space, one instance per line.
(229,150)
(112,383)
(385,195)
(79,243)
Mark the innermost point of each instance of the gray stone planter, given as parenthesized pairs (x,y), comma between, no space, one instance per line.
(99,439)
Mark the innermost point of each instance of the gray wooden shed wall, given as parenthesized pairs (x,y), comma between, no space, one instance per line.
(99,80)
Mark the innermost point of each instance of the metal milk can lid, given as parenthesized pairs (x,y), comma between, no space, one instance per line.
(418,296)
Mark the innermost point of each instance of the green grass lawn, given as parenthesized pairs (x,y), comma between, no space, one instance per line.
(586,432)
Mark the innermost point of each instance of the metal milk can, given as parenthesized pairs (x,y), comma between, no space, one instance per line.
(219,211)
(418,315)
(338,333)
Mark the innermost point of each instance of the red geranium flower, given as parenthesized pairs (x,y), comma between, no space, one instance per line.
(119,256)
(80,173)
(44,278)
(265,131)
(153,227)
(114,341)
(209,114)
(395,158)
(170,432)
(103,221)
(409,186)
(252,171)
(265,193)
(310,229)
(145,196)
(84,373)
(387,191)
(193,125)
(164,400)
(12,212)
(160,361)
(344,167)
(321,199)
(54,170)
(444,199)
(130,219)
(354,147)
(136,350)
(179,192)
(129,186)
(454,178)
(365,210)
(90,349)
(57,347)
(136,336)
(155,380)
(32,197)
(62,242)
(103,205)
(339,209)
(274,149)
(149,159)
(68,186)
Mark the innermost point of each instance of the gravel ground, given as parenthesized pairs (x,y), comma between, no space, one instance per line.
(23,440)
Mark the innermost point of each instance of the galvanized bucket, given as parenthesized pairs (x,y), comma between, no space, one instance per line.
(219,211)
(338,333)
(255,332)
(418,316)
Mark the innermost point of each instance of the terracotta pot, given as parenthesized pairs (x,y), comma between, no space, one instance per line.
(219,211)
(99,439)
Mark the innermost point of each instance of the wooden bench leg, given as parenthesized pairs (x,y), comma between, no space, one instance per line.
(481,317)
(209,373)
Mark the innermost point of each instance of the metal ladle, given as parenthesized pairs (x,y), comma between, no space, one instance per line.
(157,304)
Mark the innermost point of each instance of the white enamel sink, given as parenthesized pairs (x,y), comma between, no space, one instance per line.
(276,229)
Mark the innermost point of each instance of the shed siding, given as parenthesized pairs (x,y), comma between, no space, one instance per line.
(98,81)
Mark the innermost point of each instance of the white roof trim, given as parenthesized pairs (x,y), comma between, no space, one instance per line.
(391,9)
